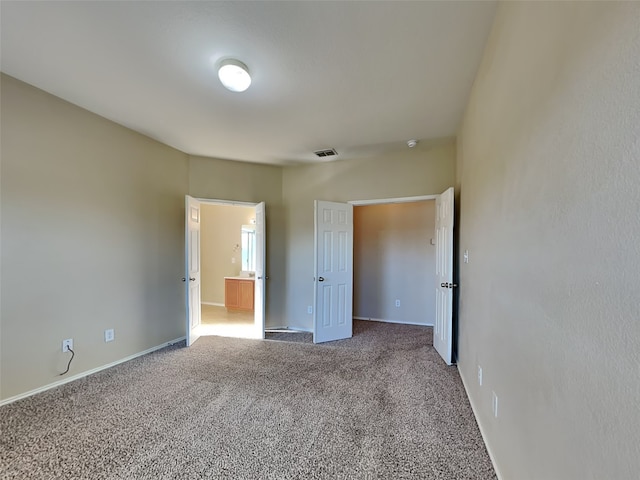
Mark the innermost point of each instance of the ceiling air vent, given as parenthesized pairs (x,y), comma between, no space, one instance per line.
(326,153)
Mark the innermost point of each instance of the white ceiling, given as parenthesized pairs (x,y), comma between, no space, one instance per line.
(360,77)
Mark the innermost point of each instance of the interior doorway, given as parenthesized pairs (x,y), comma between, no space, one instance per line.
(328,327)
(225,261)
(333,260)
(394,262)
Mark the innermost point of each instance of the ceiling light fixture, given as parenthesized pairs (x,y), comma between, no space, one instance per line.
(412,143)
(234,75)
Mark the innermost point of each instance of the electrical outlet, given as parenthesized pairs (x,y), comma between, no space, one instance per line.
(479,375)
(309,309)
(397,303)
(67,344)
(109,335)
(494,404)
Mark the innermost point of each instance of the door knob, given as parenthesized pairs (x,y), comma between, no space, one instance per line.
(321,279)
(192,279)
(443,285)
(184,279)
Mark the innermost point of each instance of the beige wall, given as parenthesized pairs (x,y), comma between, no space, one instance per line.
(220,252)
(84,198)
(412,172)
(246,182)
(550,196)
(92,238)
(393,259)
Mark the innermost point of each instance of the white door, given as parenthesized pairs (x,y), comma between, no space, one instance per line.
(333,295)
(260,271)
(443,331)
(192,267)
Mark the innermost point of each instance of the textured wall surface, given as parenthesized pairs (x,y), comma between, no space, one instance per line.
(425,170)
(92,238)
(549,166)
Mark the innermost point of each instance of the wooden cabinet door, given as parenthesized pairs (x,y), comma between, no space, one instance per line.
(246,294)
(231,293)
(238,294)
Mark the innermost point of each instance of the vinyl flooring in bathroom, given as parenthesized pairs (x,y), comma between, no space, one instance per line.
(216,320)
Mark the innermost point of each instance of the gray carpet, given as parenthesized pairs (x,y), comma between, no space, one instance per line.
(379,406)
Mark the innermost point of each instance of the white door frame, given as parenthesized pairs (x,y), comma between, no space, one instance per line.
(383,201)
(234,203)
(388,201)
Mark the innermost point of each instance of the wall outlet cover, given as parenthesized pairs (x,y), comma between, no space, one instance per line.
(109,335)
(67,344)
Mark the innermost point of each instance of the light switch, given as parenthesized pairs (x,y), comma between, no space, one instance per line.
(466,256)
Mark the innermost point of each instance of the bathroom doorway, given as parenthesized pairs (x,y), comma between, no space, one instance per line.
(230,252)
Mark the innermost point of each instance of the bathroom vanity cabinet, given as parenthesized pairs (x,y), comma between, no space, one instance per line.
(238,293)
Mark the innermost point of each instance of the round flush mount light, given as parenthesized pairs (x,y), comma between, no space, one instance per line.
(412,143)
(234,75)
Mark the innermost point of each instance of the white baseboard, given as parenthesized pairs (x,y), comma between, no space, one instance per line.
(87,373)
(484,437)
(300,329)
(212,303)
(393,321)
(293,329)
(269,327)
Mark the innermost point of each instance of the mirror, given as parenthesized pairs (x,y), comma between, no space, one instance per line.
(248,242)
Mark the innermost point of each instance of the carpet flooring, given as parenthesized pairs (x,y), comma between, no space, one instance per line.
(381,405)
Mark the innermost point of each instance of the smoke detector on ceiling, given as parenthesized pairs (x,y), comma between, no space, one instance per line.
(412,143)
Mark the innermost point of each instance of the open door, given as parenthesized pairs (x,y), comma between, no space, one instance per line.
(333,293)
(260,271)
(442,332)
(192,268)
